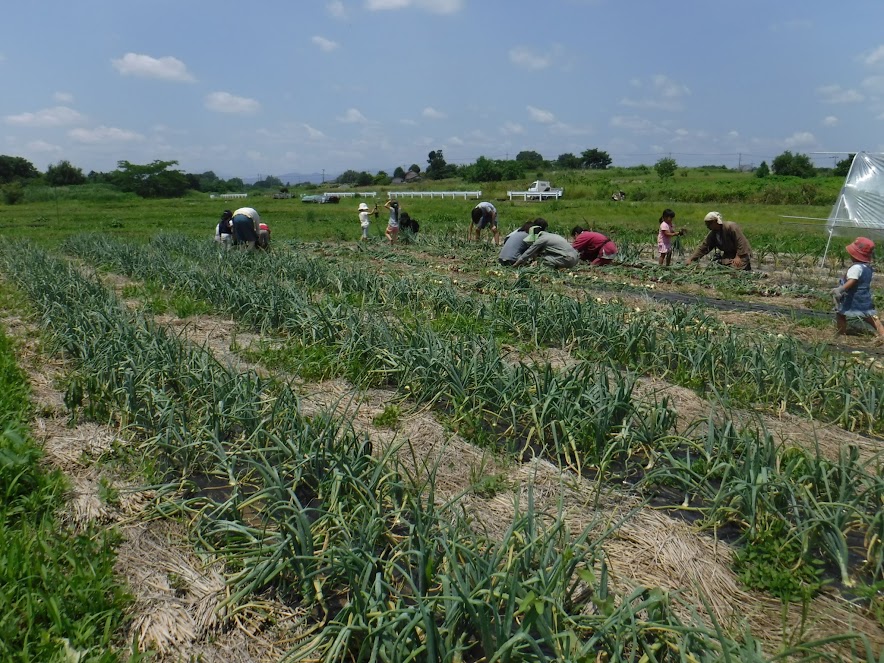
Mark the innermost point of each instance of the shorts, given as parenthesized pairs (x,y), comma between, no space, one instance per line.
(486,221)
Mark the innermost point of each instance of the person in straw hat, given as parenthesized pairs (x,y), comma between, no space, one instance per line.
(728,238)
(853,296)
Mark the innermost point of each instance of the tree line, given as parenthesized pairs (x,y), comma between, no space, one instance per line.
(162,179)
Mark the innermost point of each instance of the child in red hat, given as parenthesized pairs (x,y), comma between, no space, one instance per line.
(853,298)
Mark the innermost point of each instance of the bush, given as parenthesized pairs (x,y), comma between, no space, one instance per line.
(13,193)
(666,167)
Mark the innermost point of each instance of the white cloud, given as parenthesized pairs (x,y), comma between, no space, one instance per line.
(254,155)
(631,123)
(433,114)
(383,5)
(454,140)
(527,59)
(830,121)
(835,94)
(325,45)
(43,146)
(669,88)
(63,97)
(104,134)
(352,116)
(562,129)
(512,128)
(665,94)
(433,6)
(224,102)
(408,122)
(313,133)
(165,68)
(540,115)
(336,9)
(874,84)
(48,117)
(874,57)
(800,139)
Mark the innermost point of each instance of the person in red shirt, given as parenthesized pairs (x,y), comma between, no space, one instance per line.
(263,236)
(593,247)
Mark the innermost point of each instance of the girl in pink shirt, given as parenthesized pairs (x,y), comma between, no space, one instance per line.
(665,235)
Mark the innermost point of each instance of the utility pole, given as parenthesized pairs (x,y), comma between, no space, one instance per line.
(739,162)
(323,175)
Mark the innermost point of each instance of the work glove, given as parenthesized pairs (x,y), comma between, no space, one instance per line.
(838,294)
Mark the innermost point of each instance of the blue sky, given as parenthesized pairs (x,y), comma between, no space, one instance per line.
(272,87)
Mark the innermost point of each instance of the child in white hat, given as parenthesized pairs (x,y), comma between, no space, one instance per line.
(363,220)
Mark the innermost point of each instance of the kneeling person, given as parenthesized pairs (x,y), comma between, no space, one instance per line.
(593,247)
(551,249)
(727,237)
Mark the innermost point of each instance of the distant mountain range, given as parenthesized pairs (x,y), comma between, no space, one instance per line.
(296,178)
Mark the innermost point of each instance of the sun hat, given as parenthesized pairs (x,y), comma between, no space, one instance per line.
(363,207)
(532,234)
(714,216)
(861,249)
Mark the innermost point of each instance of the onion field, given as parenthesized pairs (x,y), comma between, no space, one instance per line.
(369,453)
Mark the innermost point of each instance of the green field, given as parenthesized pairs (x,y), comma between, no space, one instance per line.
(357,452)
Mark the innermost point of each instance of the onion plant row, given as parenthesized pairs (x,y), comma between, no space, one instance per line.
(585,415)
(681,344)
(301,508)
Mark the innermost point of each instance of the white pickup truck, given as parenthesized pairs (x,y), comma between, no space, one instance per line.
(542,186)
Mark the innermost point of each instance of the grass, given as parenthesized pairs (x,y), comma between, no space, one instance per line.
(58,593)
(47,219)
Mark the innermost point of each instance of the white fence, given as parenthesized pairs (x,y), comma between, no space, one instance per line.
(352,194)
(228,196)
(535,195)
(436,194)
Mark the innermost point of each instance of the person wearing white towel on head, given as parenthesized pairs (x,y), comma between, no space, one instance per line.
(728,238)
